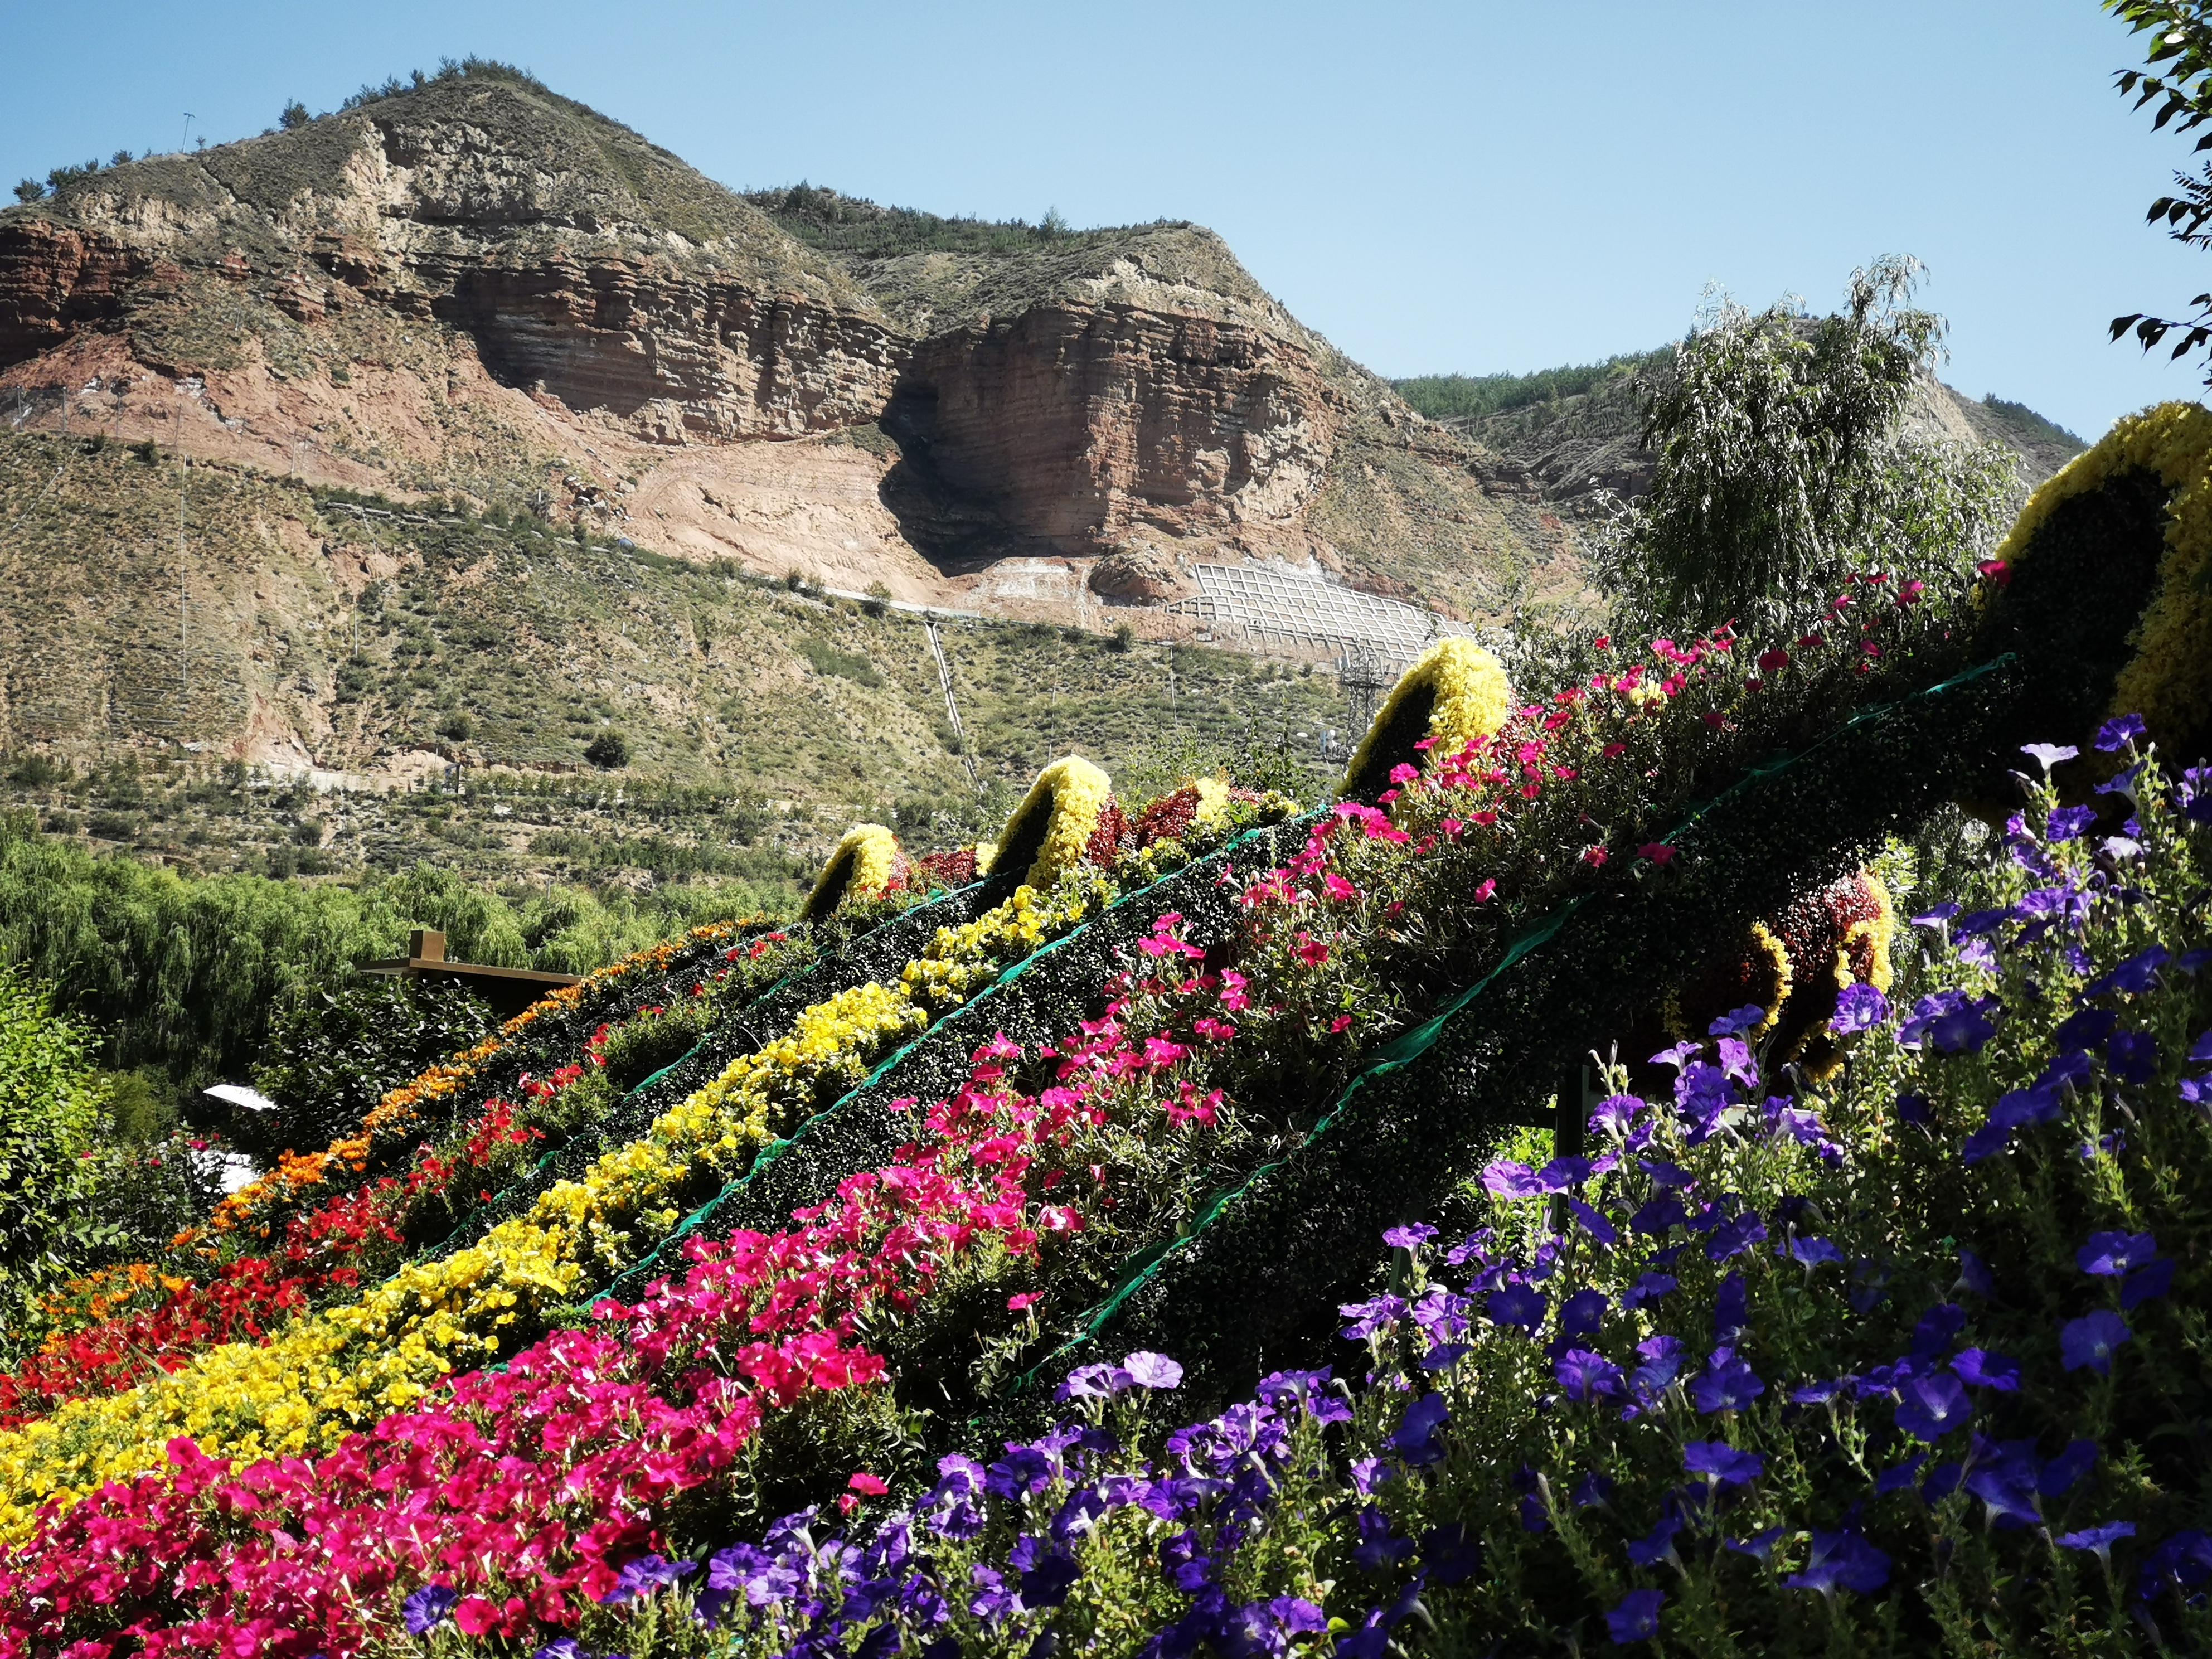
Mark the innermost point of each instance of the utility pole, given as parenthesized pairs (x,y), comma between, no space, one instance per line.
(183,143)
(183,627)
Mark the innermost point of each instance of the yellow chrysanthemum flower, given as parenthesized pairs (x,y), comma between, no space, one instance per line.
(1050,830)
(866,860)
(1456,691)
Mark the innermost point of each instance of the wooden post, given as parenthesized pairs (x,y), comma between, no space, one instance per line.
(1575,1103)
(425,944)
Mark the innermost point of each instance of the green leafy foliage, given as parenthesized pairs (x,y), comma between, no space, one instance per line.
(50,1108)
(184,974)
(1463,397)
(2178,79)
(332,1054)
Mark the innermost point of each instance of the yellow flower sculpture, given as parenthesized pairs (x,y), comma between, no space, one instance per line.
(1048,831)
(866,863)
(1455,692)
(2169,680)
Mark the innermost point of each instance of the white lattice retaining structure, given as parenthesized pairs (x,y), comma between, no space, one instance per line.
(1277,607)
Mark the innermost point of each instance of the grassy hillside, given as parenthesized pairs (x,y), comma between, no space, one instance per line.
(482,655)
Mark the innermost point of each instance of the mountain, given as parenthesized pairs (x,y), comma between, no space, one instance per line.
(1562,437)
(478,287)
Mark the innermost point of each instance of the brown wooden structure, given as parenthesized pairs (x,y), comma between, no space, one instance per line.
(508,990)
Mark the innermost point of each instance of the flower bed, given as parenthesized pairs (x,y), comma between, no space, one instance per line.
(1894,1366)
(349,1364)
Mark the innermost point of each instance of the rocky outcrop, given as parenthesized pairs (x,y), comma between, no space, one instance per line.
(1080,424)
(55,280)
(674,356)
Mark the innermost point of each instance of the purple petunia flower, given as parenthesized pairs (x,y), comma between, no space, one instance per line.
(1842,1560)
(1152,1371)
(2152,1279)
(1758,1546)
(1583,1313)
(1899,1476)
(1600,1230)
(2066,823)
(1662,1357)
(1737,1021)
(429,1607)
(1414,1439)
(2085,1029)
(1449,1556)
(1588,1377)
(1914,1110)
(1521,1305)
(1657,1545)
(1731,1309)
(1509,1178)
(645,1576)
(1930,1407)
(1649,1288)
(1950,1022)
(1858,1008)
(2138,974)
(1813,1252)
(2048,755)
(1615,1113)
(1637,1617)
(1594,1491)
(1722,1464)
(2109,1254)
(1562,1174)
(2118,732)
(1936,917)
(1367,1318)
(1820,1394)
(1411,1237)
(2131,1056)
(2097,1540)
(2090,1341)
(1728,1384)
(2060,1474)
(1984,1370)
(1732,1238)
(1100,1382)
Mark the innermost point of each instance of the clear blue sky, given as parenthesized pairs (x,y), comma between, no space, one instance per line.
(1477,187)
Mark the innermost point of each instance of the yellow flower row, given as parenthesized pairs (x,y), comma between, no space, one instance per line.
(329,1373)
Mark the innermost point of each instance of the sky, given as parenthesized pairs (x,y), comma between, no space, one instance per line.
(1473,187)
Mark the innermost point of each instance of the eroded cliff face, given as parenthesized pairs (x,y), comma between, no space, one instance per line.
(674,358)
(55,280)
(1085,424)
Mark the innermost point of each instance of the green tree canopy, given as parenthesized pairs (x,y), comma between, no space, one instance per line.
(1780,463)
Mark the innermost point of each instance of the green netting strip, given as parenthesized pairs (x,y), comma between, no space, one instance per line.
(1411,1044)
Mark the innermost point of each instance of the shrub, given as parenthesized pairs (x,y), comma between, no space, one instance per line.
(332,1054)
(50,1108)
(294,116)
(609,751)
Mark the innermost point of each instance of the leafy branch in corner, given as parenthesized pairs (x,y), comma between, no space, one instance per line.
(2179,80)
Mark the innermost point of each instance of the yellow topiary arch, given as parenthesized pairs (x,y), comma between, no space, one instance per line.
(1455,692)
(2169,681)
(866,862)
(1050,830)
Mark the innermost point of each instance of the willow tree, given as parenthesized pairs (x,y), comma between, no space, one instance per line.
(1781,464)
